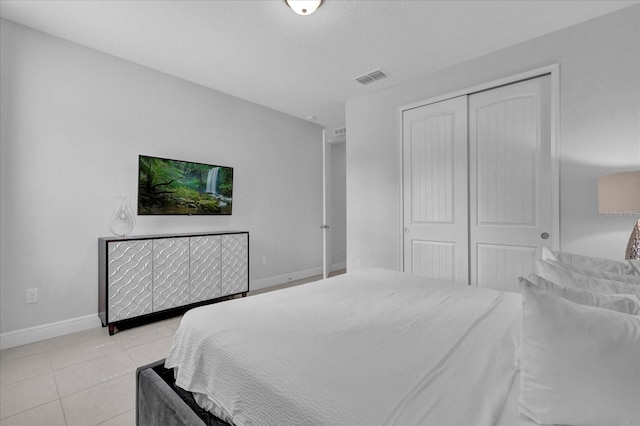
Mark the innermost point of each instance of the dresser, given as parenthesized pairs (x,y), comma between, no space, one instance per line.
(150,277)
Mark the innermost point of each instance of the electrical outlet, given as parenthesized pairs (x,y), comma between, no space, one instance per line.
(32,295)
(264,260)
(358,263)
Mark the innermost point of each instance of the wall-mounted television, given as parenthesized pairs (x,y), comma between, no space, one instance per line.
(174,187)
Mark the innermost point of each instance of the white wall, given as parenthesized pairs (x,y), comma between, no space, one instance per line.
(74,121)
(599,134)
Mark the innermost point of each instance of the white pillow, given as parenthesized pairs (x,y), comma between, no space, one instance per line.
(627,304)
(552,271)
(631,279)
(626,267)
(548,254)
(580,364)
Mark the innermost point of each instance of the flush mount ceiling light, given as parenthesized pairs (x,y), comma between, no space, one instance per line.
(304,7)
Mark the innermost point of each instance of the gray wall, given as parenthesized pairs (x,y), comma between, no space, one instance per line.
(599,134)
(73,123)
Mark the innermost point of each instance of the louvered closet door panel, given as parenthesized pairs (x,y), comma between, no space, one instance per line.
(433,259)
(499,266)
(205,268)
(170,273)
(129,279)
(510,175)
(434,145)
(235,263)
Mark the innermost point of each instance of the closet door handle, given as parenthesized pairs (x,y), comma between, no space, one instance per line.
(544,235)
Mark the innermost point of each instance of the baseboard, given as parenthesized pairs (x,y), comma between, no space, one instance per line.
(285,278)
(60,328)
(292,276)
(47,331)
(338,266)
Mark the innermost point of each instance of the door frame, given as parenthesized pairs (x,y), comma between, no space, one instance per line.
(326,206)
(553,71)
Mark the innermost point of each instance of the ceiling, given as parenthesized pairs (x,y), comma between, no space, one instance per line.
(305,66)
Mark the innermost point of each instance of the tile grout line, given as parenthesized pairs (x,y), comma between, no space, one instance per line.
(55,381)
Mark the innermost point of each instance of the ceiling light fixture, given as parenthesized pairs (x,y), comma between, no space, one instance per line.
(304,7)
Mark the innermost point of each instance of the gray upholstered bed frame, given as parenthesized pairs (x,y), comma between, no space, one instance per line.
(160,402)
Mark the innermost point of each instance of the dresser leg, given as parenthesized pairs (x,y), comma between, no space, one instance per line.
(244,294)
(112,329)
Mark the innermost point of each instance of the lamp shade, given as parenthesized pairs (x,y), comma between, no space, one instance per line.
(619,194)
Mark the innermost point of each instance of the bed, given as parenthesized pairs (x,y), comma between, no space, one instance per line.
(381,347)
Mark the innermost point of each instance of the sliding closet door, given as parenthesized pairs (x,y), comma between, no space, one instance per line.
(434,140)
(510,181)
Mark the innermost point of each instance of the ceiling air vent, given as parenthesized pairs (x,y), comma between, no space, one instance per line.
(340,131)
(339,135)
(372,76)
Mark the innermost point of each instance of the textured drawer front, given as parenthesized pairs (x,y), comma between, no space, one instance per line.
(235,263)
(205,268)
(170,273)
(129,279)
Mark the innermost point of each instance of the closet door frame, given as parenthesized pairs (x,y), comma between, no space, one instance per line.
(553,71)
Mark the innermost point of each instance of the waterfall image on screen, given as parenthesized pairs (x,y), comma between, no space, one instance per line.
(173,187)
(212,180)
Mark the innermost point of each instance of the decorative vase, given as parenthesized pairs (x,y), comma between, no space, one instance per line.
(123,220)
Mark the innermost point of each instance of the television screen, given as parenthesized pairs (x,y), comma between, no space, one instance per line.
(172,187)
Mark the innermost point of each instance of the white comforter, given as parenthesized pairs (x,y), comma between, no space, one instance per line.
(366,348)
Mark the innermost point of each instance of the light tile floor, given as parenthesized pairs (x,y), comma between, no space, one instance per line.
(85,378)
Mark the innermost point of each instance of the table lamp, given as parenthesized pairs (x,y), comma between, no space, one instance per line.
(619,194)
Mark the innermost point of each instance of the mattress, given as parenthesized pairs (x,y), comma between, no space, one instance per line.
(369,347)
